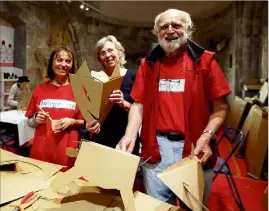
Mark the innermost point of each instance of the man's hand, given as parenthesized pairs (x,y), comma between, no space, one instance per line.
(126,144)
(117,97)
(93,126)
(202,149)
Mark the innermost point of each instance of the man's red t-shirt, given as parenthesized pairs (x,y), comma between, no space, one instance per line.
(170,115)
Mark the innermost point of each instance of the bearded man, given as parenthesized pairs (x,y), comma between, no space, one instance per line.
(179,95)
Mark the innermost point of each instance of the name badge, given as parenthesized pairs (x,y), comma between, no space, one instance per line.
(172,85)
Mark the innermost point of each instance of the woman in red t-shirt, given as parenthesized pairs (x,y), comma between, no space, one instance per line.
(54,113)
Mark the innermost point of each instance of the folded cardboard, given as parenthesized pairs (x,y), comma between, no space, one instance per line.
(25,175)
(186,179)
(92,94)
(257,142)
(104,167)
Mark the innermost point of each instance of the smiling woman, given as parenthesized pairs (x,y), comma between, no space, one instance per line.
(54,113)
(109,53)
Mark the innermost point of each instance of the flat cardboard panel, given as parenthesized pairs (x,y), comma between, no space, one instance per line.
(14,186)
(27,175)
(92,95)
(186,179)
(29,164)
(257,143)
(106,167)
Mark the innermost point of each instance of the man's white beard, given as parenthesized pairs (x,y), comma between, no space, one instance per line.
(173,45)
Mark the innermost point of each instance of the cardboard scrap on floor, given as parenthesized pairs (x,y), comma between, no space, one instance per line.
(186,179)
(104,167)
(20,175)
(92,94)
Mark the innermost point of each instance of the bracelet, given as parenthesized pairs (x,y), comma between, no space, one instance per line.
(209,132)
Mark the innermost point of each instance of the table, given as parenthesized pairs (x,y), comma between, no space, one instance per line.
(17,118)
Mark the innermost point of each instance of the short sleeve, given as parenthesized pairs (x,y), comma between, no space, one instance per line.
(218,84)
(137,92)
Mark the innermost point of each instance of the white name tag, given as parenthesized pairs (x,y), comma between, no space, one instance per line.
(53,103)
(172,85)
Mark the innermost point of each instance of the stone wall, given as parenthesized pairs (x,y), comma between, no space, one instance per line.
(242,33)
(39,29)
(238,34)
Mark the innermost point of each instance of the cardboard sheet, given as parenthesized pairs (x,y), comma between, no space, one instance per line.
(186,179)
(92,95)
(25,175)
(106,167)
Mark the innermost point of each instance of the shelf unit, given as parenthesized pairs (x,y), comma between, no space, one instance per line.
(5,84)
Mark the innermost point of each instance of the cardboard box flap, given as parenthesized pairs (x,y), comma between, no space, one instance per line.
(106,167)
(91,94)
(186,179)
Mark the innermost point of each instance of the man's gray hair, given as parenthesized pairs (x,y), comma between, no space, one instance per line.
(110,38)
(186,18)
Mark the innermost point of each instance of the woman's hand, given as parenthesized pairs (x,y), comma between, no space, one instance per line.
(66,123)
(117,97)
(93,126)
(41,117)
(61,124)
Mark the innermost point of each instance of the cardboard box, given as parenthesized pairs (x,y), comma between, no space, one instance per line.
(20,175)
(237,113)
(92,94)
(257,142)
